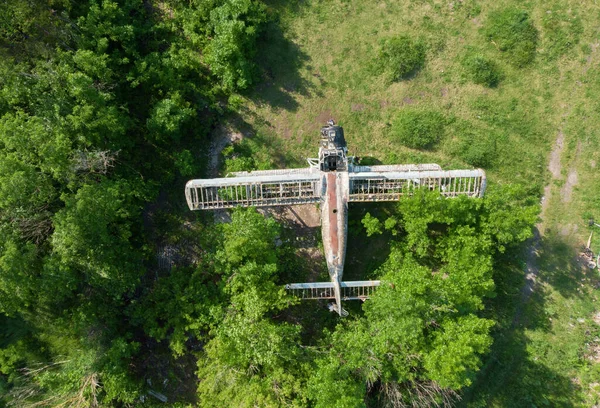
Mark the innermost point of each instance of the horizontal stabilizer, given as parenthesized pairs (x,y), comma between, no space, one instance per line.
(350,290)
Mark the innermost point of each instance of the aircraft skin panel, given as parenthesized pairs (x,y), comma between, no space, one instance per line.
(253,190)
(334,223)
(395,167)
(393,185)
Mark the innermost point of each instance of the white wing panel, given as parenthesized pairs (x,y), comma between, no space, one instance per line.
(393,185)
(250,189)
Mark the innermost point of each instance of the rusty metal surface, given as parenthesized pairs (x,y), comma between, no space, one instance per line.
(330,212)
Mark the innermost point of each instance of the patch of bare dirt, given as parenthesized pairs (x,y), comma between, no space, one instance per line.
(302,220)
(554,164)
(323,117)
(444,92)
(303,223)
(589,59)
(567,191)
(282,128)
(531,273)
(223,136)
(546,198)
(357,107)
(572,179)
(408,101)
(593,352)
(531,265)
(566,230)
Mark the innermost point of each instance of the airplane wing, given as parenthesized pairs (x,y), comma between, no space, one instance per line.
(385,183)
(255,188)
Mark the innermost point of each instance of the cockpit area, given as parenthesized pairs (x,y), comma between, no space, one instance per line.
(332,149)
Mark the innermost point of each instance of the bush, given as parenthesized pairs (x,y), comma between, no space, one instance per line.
(482,70)
(478,150)
(476,147)
(513,33)
(418,129)
(401,57)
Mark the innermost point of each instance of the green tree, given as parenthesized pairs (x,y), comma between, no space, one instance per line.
(235,26)
(254,353)
(91,242)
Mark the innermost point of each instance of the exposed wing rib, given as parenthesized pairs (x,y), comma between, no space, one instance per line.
(396,167)
(351,290)
(393,185)
(262,188)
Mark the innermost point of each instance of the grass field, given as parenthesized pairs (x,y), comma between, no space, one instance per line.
(539,126)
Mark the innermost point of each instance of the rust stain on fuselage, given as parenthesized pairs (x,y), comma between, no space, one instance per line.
(334,218)
(332,204)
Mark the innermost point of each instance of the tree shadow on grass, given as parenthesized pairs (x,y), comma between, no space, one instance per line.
(562,269)
(280,60)
(511,375)
(255,142)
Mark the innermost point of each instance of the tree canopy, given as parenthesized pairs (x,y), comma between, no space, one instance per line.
(104,106)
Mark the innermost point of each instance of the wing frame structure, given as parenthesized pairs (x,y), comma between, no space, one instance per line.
(385,183)
(258,188)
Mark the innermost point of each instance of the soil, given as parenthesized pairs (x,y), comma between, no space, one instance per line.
(303,225)
(567,191)
(554,165)
(223,136)
(531,273)
(572,179)
(531,262)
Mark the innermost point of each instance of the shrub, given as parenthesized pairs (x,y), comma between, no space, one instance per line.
(401,57)
(476,147)
(513,33)
(482,70)
(478,151)
(372,225)
(418,129)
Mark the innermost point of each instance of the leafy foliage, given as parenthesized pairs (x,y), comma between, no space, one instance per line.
(372,224)
(422,329)
(482,70)
(401,56)
(418,129)
(104,108)
(475,145)
(234,27)
(100,103)
(512,32)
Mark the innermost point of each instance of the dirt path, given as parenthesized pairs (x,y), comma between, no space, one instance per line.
(531,260)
